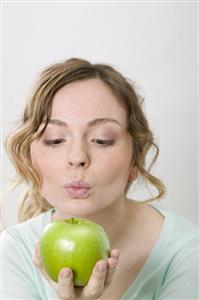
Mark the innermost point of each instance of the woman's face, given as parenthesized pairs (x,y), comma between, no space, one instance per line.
(85,143)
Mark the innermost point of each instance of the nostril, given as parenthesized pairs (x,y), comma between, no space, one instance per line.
(81,164)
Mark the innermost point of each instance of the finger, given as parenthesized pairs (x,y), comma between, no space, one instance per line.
(95,286)
(112,264)
(36,260)
(36,257)
(65,286)
(115,253)
(38,263)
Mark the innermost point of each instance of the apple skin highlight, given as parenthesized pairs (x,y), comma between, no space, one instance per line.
(73,243)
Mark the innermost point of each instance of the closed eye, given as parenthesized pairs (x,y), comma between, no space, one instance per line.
(98,142)
(53,142)
(103,143)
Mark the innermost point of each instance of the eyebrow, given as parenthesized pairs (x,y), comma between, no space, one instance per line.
(91,123)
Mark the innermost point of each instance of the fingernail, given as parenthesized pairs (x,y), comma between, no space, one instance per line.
(112,265)
(102,266)
(65,273)
(115,253)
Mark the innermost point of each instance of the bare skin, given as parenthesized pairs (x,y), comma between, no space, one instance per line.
(135,247)
(100,153)
(100,278)
(123,266)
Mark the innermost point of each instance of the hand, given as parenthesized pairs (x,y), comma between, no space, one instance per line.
(100,279)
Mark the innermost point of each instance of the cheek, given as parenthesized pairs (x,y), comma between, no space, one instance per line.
(114,166)
(44,163)
(47,167)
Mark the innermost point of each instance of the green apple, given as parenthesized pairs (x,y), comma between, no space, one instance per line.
(73,243)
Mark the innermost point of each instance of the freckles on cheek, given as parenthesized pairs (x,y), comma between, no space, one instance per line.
(47,168)
(113,167)
(116,164)
(40,161)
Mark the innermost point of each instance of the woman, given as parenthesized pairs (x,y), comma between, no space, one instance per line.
(82,142)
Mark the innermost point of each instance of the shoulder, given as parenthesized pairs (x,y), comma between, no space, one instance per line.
(178,241)
(177,253)
(26,232)
(180,227)
(170,270)
(177,236)
(17,247)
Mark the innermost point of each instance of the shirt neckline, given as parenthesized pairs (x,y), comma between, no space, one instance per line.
(148,265)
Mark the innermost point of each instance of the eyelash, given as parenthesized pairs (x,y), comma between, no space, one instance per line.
(103,143)
(99,142)
(53,143)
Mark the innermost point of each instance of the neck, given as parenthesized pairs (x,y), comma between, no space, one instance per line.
(114,219)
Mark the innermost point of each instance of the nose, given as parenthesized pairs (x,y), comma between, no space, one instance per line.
(78,157)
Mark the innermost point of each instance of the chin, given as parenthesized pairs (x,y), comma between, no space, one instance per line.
(77,208)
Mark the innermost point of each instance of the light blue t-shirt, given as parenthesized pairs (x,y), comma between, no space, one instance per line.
(170,272)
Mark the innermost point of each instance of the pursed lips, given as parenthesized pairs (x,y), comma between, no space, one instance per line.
(77,189)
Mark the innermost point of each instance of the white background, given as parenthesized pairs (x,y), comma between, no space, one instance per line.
(153,43)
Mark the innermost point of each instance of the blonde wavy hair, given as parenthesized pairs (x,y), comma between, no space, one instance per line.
(38,110)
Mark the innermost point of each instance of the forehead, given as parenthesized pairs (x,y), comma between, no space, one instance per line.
(85,100)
